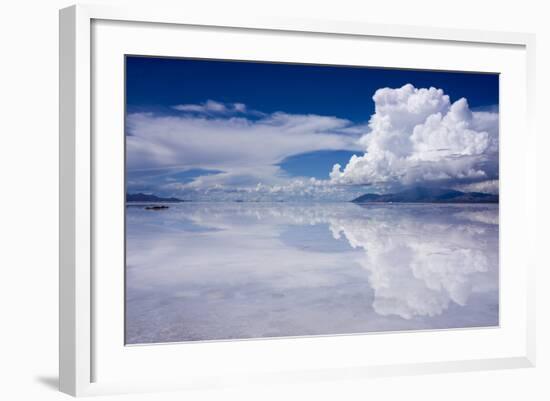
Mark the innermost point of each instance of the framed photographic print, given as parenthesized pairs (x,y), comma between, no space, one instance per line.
(335,200)
(274,200)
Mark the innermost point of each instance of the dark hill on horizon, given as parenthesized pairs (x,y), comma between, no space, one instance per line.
(429,195)
(140,197)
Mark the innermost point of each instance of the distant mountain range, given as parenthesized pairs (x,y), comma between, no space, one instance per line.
(429,195)
(149,198)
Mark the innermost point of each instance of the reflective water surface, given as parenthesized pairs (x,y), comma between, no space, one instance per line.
(211,271)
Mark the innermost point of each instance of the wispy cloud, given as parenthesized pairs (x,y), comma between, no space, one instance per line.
(158,141)
(214,107)
(245,150)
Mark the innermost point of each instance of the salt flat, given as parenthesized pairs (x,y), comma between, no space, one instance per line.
(216,271)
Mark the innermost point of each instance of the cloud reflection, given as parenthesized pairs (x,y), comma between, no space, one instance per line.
(419,262)
(243,270)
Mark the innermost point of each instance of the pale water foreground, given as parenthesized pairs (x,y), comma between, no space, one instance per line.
(211,271)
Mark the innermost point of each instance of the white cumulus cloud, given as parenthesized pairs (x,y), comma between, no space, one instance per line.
(416,135)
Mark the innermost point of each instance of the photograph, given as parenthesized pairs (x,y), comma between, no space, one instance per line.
(273,200)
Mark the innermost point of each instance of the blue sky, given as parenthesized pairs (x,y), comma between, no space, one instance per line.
(224,127)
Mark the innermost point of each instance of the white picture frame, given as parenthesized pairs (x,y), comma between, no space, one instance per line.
(79,218)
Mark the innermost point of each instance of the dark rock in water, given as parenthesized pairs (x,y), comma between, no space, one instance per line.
(429,195)
(149,198)
(156,207)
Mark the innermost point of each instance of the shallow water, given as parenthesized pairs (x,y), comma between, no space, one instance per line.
(212,271)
